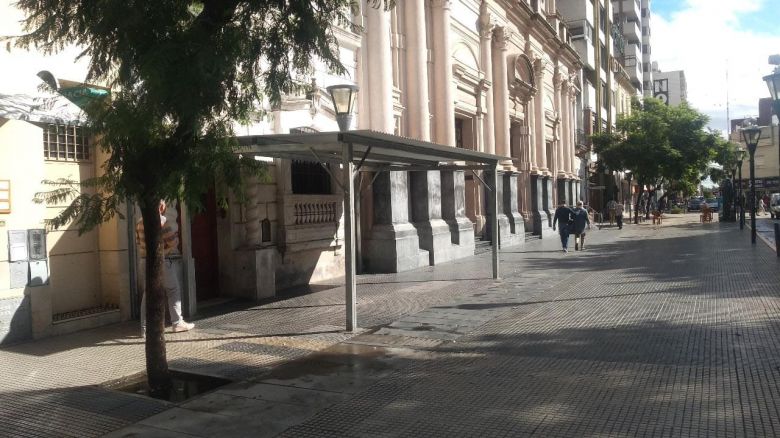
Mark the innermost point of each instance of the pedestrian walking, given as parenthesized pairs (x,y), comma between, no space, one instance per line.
(619,216)
(170,281)
(761,206)
(581,219)
(612,206)
(563,217)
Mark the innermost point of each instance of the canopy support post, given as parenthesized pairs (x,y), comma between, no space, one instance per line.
(349,236)
(494,219)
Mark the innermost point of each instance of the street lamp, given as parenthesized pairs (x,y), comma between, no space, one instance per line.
(752,135)
(773,83)
(343,97)
(740,158)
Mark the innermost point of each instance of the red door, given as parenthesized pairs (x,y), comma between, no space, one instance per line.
(204,249)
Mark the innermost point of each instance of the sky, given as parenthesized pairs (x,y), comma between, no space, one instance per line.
(18,68)
(705,38)
(708,38)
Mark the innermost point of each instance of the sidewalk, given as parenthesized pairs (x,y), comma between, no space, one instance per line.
(645,332)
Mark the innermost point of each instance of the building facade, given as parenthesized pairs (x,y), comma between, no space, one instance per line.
(605,36)
(670,86)
(496,76)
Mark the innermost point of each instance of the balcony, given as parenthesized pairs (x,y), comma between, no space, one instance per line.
(581,34)
(631,9)
(633,49)
(632,32)
(583,144)
(633,67)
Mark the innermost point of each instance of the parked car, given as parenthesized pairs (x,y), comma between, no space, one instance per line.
(774,205)
(713,203)
(694,204)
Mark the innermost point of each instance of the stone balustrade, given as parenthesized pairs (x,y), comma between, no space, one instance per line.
(311,209)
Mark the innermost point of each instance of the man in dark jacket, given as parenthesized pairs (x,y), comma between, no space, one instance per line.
(563,217)
(581,219)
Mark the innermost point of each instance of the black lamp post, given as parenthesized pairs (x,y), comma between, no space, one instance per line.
(343,97)
(773,83)
(741,157)
(752,135)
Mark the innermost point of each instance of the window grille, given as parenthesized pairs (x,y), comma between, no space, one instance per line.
(65,143)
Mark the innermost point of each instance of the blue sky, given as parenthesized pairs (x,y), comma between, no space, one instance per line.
(705,38)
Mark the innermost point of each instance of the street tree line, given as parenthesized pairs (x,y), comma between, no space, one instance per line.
(664,146)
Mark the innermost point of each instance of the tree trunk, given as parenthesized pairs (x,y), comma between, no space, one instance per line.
(638,199)
(156,361)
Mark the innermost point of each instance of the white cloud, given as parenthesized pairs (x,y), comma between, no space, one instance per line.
(705,39)
(19,67)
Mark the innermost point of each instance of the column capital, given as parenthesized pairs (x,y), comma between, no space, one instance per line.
(540,64)
(557,80)
(484,24)
(441,4)
(501,36)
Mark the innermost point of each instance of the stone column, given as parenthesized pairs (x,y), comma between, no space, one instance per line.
(451,186)
(566,130)
(252,224)
(540,219)
(444,104)
(393,245)
(417,71)
(453,211)
(557,166)
(539,120)
(379,69)
(572,134)
(516,232)
(501,37)
(486,59)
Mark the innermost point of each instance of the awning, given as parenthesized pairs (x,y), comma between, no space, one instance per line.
(359,151)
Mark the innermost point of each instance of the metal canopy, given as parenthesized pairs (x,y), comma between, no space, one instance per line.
(374,151)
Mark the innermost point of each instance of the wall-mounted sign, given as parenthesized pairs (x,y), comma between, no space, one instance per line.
(661,90)
(5,196)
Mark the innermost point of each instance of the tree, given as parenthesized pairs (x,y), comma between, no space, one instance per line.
(181,73)
(660,145)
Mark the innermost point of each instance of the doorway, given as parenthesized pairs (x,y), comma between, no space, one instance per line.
(204,248)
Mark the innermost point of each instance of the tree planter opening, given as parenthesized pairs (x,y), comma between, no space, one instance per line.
(183,385)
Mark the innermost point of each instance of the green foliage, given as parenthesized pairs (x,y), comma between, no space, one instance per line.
(659,143)
(726,156)
(181,74)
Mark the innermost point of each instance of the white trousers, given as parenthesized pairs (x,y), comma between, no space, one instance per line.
(171,286)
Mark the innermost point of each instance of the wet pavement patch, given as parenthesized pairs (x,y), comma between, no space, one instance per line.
(183,385)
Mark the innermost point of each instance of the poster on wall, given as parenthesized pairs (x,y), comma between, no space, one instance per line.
(5,196)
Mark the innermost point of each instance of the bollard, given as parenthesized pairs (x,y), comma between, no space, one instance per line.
(777,239)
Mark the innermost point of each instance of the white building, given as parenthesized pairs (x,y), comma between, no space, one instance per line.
(669,86)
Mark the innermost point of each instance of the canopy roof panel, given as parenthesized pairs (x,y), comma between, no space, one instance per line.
(371,149)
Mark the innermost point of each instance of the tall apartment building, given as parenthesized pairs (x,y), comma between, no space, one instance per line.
(647,77)
(606,35)
(627,18)
(669,86)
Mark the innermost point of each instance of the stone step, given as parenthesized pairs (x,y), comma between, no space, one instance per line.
(481,246)
(532,236)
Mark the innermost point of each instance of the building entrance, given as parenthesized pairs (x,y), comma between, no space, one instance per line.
(204,249)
